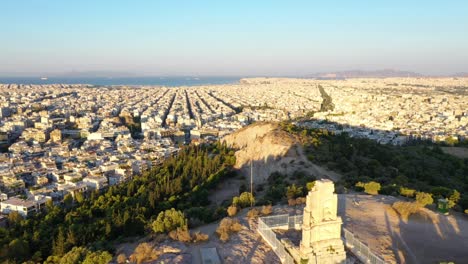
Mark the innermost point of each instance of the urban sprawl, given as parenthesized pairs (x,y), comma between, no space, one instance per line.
(68,139)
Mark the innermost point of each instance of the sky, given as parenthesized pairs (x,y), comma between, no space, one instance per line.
(251,37)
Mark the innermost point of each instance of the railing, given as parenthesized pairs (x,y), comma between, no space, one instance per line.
(266,224)
(270,237)
(360,250)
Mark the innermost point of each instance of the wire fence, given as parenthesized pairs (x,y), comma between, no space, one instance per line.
(266,224)
(360,250)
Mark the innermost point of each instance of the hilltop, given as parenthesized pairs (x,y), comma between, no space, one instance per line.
(271,149)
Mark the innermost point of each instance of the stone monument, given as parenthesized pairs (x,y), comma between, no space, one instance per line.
(321,228)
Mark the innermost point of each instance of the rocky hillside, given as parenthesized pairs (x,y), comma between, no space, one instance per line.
(270,149)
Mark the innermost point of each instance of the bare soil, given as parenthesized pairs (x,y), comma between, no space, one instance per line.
(459,152)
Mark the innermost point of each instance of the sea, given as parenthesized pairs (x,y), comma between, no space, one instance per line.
(107,81)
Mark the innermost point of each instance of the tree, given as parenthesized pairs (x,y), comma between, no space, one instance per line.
(407,192)
(371,187)
(99,257)
(310,185)
(75,256)
(79,197)
(18,249)
(59,247)
(453,199)
(293,191)
(245,199)
(405,209)
(169,220)
(14,218)
(424,199)
(68,200)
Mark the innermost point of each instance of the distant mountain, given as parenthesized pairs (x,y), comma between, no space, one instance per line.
(386,73)
(461,74)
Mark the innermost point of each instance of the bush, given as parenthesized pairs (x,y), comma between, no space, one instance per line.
(99,257)
(226,227)
(293,191)
(246,199)
(453,199)
(267,209)
(253,213)
(199,237)
(405,209)
(121,258)
(301,200)
(466,211)
(371,187)
(291,202)
(143,252)
(407,192)
(169,220)
(181,234)
(424,199)
(232,210)
(310,185)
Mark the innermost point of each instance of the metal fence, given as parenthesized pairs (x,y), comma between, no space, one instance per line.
(270,237)
(266,224)
(360,249)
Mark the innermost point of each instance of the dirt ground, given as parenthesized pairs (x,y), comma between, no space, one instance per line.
(427,237)
(456,151)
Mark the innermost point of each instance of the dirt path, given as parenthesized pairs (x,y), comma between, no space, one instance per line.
(426,237)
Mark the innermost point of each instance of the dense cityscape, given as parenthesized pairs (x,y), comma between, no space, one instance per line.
(63,139)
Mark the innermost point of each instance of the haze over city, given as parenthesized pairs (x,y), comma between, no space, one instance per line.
(231,38)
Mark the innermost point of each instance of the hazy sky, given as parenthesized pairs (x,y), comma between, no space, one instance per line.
(235,37)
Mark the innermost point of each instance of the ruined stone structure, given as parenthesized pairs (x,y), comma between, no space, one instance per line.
(321,228)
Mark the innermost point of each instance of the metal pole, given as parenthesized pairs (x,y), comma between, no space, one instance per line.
(251,185)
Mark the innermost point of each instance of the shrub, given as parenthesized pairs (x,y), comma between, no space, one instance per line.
(253,213)
(301,200)
(291,202)
(143,252)
(453,199)
(424,198)
(405,209)
(181,234)
(121,258)
(224,236)
(371,187)
(199,237)
(246,199)
(407,192)
(310,185)
(99,257)
(267,209)
(226,227)
(466,211)
(293,191)
(232,210)
(236,226)
(169,220)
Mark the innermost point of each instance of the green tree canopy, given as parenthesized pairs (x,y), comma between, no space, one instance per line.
(169,220)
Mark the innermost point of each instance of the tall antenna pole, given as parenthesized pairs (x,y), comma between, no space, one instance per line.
(251,185)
